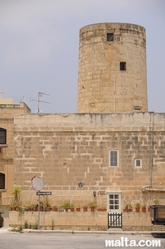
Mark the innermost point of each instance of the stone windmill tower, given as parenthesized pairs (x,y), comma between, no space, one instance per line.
(112,69)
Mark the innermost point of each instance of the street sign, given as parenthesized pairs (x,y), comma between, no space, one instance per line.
(37,183)
(1,212)
(43,193)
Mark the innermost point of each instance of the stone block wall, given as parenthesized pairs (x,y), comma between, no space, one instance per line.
(102,86)
(7,112)
(131,221)
(66,149)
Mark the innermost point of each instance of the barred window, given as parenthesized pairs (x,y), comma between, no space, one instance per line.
(138,163)
(2,181)
(2,136)
(113,158)
(110,37)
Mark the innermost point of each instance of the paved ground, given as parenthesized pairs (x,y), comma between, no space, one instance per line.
(68,240)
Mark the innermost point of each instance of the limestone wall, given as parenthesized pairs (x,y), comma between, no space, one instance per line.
(81,221)
(66,149)
(102,86)
(7,112)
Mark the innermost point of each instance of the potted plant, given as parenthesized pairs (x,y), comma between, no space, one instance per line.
(16,200)
(137,207)
(55,208)
(13,205)
(67,206)
(72,208)
(16,193)
(144,208)
(78,209)
(28,208)
(101,209)
(46,204)
(85,208)
(48,208)
(92,206)
(128,208)
(61,208)
(34,207)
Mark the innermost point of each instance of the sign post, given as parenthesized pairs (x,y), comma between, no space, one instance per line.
(38,185)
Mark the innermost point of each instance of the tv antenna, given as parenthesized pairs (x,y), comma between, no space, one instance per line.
(38,100)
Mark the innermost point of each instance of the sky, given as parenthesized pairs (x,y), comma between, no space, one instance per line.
(39,46)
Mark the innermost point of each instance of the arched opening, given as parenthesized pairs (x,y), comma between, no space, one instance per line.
(2,181)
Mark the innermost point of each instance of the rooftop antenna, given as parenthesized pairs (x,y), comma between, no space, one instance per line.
(38,100)
(22,100)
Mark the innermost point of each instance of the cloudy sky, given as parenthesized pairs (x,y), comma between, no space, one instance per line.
(39,42)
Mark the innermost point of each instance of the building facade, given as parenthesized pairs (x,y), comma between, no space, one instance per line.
(111,153)
(7,112)
(118,158)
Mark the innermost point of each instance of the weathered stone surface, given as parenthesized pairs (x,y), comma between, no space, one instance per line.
(102,86)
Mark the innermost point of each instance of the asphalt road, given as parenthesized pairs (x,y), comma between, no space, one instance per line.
(10,240)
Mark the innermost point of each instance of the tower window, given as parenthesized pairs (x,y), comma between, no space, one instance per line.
(137,108)
(110,36)
(122,66)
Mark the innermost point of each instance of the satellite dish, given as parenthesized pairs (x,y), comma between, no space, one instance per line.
(37,183)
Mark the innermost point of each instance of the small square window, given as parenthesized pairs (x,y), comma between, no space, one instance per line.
(110,37)
(137,108)
(122,66)
(138,163)
(113,158)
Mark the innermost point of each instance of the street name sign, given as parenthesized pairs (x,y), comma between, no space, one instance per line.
(43,193)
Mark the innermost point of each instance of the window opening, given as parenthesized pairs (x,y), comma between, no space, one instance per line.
(2,136)
(110,37)
(122,66)
(113,158)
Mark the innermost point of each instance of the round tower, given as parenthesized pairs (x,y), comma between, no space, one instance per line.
(112,68)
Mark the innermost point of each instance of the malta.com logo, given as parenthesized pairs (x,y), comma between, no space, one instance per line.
(125,242)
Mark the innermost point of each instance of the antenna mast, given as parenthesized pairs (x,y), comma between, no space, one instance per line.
(39,96)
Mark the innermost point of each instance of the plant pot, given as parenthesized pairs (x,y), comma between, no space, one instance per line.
(85,209)
(77,209)
(72,209)
(55,209)
(92,209)
(101,209)
(143,209)
(137,209)
(13,208)
(127,210)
